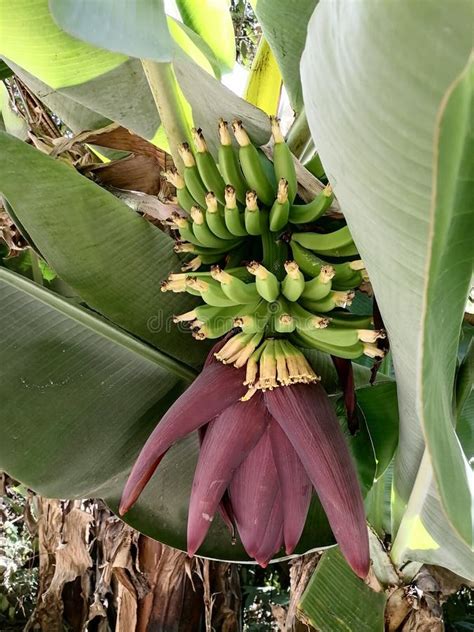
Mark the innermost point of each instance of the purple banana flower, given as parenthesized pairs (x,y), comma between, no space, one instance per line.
(258,462)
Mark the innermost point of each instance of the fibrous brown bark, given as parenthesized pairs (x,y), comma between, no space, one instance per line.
(96,573)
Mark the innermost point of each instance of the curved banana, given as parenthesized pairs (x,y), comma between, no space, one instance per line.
(191,175)
(293,284)
(304,213)
(328,242)
(349,352)
(328,303)
(205,313)
(318,288)
(282,319)
(215,219)
(252,216)
(235,289)
(305,320)
(202,231)
(185,247)
(315,166)
(207,167)
(253,322)
(234,221)
(220,323)
(185,229)
(210,291)
(229,163)
(346,319)
(283,160)
(266,282)
(349,274)
(251,165)
(185,199)
(280,208)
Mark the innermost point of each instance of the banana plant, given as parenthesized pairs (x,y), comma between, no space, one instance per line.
(215,379)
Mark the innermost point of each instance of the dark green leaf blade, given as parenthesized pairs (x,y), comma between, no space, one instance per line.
(336,600)
(114,259)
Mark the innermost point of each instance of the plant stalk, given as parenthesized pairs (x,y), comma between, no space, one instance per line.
(169,102)
(299,135)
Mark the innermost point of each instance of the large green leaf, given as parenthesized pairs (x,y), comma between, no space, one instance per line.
(113,86)
(81,397)
(382,142)
(284,25)
(132,27)
(335,600)
(110,256)
(211,20)
(30,38)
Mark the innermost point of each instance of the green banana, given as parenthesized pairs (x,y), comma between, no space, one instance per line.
(348,275)
(185,199)
(347,319)
(267,284)
(305,320)
(283,160)
(229,163)
(329,302)
(215,219)
(203,233)
(235,289)
(318,288)
(315,166)
(220,323)
(185,229)
(185,247)
(205,313)
(280,208)
(207,167)
(282,320)
(329,243)
(307,261)
(210,291)
(333,335)
(240,272)
(191,175)
(292,285)
(252,214)
(251,165)
(253,322)
(304,213)
(196,262)
(234,221)
(350,352)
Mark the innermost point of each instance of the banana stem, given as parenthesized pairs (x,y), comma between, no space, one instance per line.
(169,103)
(299,134)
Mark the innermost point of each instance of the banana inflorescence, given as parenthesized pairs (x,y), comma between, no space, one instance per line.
(272,267)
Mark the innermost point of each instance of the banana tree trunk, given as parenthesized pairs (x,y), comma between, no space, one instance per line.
(95,571)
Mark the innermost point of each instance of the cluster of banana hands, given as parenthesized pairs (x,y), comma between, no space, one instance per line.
(243,209)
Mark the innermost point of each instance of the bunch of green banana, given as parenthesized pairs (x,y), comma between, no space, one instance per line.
(296,287)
